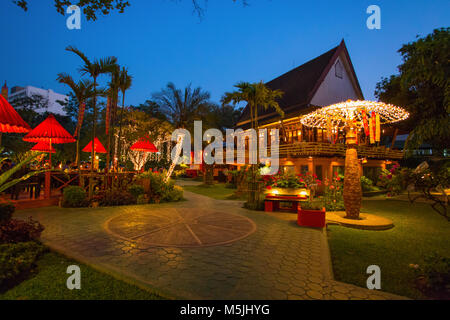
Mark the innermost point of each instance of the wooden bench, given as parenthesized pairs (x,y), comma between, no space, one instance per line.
(272,203)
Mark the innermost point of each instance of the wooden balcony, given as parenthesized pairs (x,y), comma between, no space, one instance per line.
(303,149)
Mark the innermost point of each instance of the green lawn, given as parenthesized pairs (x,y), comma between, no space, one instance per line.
(418,232)
(50,284)
(217,191)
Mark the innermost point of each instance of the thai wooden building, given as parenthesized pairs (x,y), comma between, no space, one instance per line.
(325,80)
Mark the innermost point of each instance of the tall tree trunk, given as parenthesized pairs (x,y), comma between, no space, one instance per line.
(107,125)
(352,183)
(119,144)
(94,127)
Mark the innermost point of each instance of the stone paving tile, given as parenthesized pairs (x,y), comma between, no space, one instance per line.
(278,261)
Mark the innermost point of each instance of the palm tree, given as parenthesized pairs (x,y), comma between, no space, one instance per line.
(82,90)
(125,81)
(111,109)
(258,96)
(181,107)
(94,69)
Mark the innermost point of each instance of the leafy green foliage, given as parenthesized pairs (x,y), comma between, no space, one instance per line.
(17,259)
(423,88)
(312,205)
(161,191)
(333,198)
(114,197)
(74,197)
(136,190)
(5,178)
(431,183)
(436,269)
(285,180)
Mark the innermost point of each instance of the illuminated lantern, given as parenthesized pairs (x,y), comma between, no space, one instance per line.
(365,123)
(377,128)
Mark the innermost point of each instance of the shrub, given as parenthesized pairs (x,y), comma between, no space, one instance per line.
(114,197)
(14,231)
(142,199)
(136,190)
(366,184)
(176,194)
(74,197)
(436,270)
(17,259)
(161,191)
(6,211)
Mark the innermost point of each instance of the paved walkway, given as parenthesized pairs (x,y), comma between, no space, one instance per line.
(277,260)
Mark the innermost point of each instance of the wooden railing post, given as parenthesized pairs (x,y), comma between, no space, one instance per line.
(47,189)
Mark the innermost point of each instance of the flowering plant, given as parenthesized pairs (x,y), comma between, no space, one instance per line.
(334,193)
(290,180)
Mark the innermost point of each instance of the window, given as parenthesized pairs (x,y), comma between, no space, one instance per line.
(338,70)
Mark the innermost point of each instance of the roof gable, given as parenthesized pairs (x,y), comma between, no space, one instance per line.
(301,84)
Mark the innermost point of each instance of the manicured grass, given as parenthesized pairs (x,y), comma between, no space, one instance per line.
(50,284)
(418,232)
(217,191)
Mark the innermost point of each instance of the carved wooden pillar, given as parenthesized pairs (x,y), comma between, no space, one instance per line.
(352,182)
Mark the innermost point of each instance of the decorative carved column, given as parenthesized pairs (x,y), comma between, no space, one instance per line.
(352,182)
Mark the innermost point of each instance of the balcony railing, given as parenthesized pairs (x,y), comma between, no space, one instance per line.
(327,149)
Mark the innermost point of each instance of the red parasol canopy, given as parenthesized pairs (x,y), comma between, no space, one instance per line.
(44,147)
(144,144)
(10,120)
(98,147)
(49,130)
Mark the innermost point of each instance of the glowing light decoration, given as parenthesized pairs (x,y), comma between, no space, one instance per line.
(178,149)
(352,117)
(339,114)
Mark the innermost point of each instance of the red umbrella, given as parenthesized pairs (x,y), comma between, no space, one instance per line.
(10,120)
(43,147)
(50,131)
(144,144)
(98,147)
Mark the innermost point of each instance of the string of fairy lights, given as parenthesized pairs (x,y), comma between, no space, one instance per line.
(353,113)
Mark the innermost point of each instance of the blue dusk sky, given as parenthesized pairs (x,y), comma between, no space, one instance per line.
(163,40)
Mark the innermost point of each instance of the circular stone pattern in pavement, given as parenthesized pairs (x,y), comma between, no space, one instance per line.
(180,227)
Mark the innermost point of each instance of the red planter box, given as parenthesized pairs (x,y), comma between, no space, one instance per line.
(311,218)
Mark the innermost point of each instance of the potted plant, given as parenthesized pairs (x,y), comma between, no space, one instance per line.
(311,214)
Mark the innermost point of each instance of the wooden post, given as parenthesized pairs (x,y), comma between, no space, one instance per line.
(47,189)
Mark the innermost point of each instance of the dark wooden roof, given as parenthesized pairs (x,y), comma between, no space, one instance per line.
(299,86)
